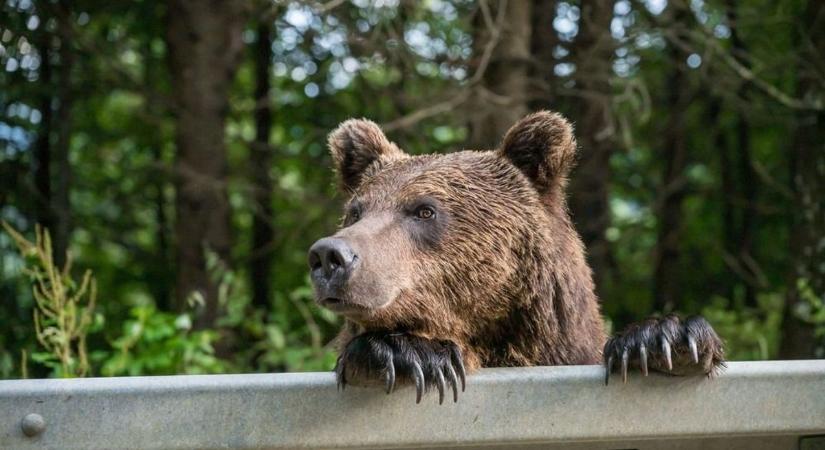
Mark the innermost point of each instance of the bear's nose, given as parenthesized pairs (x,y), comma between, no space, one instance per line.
(332,257)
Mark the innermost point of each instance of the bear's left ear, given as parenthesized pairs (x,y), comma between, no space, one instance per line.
(543,147)
(355,145)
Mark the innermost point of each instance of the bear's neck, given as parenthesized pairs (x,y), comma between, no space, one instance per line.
(555,318)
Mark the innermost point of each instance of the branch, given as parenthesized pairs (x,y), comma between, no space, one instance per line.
(322,8)
(706,37)
(746,74)
(462,96)
(424,113)
(495,37)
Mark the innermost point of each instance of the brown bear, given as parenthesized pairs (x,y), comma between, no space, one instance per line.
(470,259)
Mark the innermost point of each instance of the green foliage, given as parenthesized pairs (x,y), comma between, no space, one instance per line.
(360,59)
(158,343)
(298,348)
(748,334)
(64,311)
(812,307)
(153,342)
(291,336)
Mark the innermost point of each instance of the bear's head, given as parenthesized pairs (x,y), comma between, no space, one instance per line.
(432,239)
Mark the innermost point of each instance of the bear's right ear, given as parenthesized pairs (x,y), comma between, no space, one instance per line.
(357,144)
(543,147)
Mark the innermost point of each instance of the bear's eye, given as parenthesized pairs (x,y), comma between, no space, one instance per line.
(353,215)
(425,212)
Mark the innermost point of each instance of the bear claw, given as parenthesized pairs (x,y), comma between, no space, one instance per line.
(419,381)
(458,362)
(686,347)
(666,353)
(401,357)
(390,378)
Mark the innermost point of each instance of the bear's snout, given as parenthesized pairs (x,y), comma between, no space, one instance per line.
(331,263)
(331,260)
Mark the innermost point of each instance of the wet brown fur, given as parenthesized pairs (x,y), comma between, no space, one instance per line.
(506,278)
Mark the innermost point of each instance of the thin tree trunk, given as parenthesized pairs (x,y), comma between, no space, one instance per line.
(161,270)
(204,40)
(260,163)
(667,288)
(723,146)
(51,166)
(747,224)
(542,41)
(41,161)
(62,144)
(746,191)
(503,100)
(162,286)
(807,275)
(593,55)
(397,90)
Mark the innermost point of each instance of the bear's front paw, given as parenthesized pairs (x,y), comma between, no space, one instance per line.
(390,358)
(667,345)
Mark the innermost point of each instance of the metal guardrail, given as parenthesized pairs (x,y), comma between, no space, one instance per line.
(755,405)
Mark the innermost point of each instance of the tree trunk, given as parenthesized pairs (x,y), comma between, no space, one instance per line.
(542,41)
(727,186)
(51,167)
(41,161)
(204,40)
(593,54)
(502,101)
(746,193)
(161,270)
(62,144)
(260,163)
(667,286)
(807,275)
(162,281)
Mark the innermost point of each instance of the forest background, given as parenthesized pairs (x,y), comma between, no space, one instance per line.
(176,152)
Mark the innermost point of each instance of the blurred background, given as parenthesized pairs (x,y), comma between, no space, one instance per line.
(176,151)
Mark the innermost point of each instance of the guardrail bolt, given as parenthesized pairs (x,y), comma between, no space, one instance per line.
(33,424)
